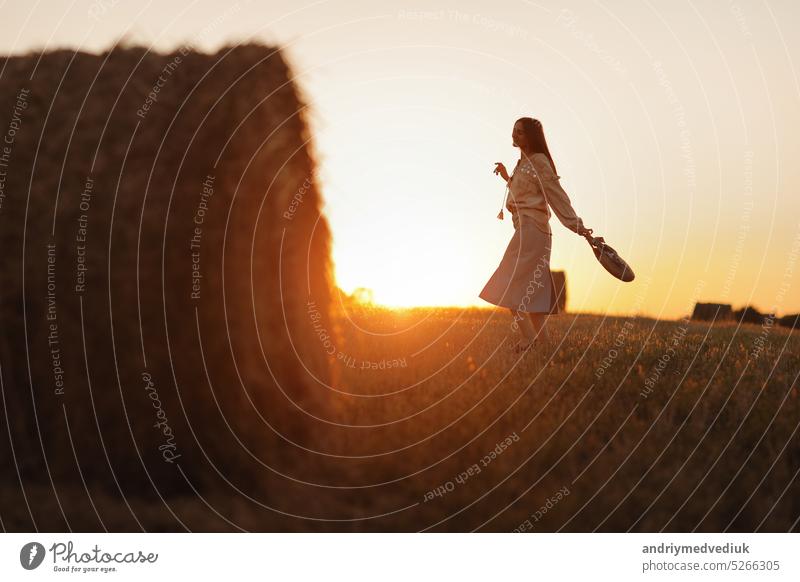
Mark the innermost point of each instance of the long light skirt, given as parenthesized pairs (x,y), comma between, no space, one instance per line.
(523,281)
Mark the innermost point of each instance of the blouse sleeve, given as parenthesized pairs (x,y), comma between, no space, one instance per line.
(556,197)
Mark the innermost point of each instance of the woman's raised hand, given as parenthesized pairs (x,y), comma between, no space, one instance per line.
(499,168)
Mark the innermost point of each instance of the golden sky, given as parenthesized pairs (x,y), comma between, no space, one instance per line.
(674,127)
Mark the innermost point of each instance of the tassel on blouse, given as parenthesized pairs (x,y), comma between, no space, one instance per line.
(505,197)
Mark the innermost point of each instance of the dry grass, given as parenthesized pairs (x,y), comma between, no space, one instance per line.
(712,447)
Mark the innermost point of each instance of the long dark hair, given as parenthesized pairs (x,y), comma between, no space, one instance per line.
(535,134)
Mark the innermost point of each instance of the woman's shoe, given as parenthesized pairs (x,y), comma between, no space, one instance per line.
(523,347)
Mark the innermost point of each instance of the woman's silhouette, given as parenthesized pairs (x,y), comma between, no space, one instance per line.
(522,282)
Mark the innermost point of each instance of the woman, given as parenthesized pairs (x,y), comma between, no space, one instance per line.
(522,282)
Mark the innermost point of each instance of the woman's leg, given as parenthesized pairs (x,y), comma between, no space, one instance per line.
(525,326)
(539,324)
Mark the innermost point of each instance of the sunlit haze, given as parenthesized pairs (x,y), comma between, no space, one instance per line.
(672,125)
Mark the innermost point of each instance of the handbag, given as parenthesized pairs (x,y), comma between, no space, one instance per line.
(609,258)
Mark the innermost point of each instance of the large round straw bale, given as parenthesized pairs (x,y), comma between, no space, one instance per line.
(163,257)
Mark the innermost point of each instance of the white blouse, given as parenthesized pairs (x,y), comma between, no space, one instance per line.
(534,188)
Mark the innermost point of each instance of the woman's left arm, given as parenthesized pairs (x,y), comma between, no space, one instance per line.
(557,198)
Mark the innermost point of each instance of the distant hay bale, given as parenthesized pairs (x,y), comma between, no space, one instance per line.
(165,270)
(712,312)
(792,321)
(560,285)
(750,314)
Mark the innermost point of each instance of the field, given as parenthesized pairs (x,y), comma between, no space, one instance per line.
(621,424)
